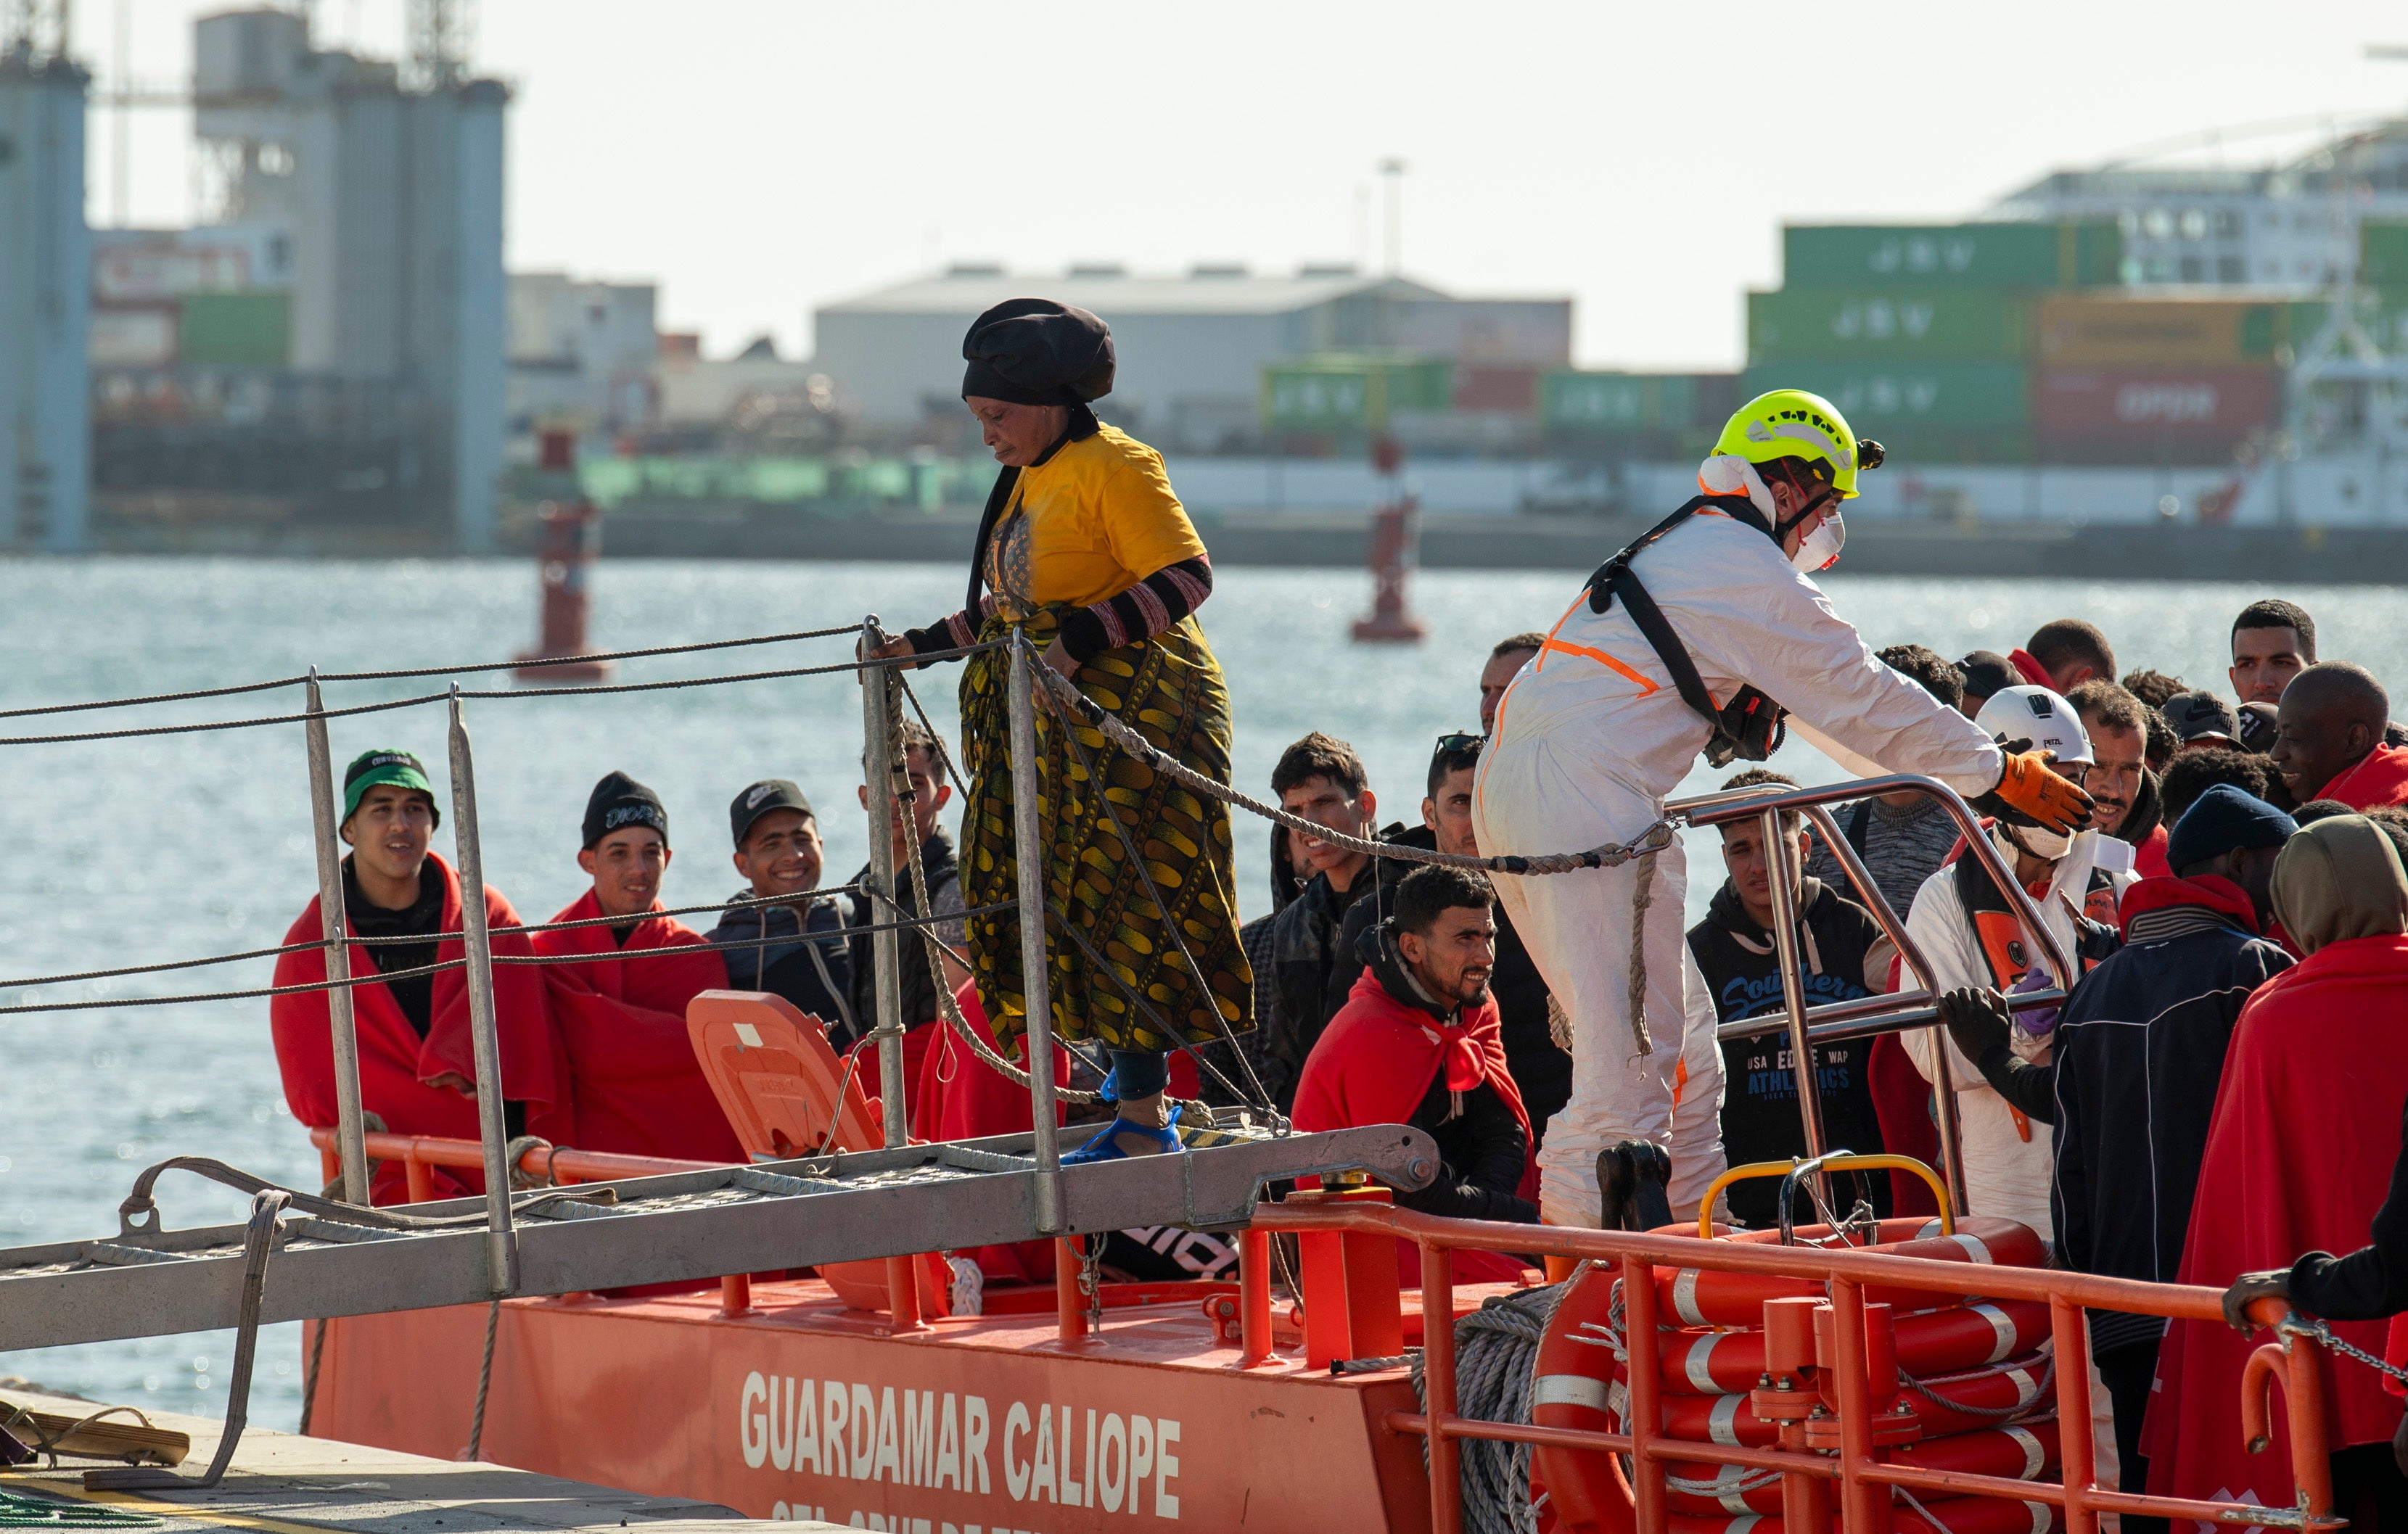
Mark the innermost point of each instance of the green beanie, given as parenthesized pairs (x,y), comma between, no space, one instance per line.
(398,768)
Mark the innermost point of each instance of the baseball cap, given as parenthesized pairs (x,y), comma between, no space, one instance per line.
(386,765)
(770,793)
(2258,727)
(2201,716)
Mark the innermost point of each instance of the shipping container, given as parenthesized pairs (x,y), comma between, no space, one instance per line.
(133,336)
(1511,389)
(2088,330)
(2383,254)
(236,329)
(1903,323)
(1349,392)
(2217,404)
(1613,406)
(1878,399)
(1993,255)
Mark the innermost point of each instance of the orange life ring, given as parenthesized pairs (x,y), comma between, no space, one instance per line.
(1699,1296)
(1570,1382)
(2018,1383)
(2024,1452)
(1953,1515)
(1701,1362)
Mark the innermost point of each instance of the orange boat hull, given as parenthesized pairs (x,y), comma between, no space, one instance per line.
(801,1408)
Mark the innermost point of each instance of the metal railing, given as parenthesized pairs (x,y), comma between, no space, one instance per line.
(1871,1015)
(1860,1472)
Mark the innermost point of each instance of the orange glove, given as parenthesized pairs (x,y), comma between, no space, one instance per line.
(2030,785)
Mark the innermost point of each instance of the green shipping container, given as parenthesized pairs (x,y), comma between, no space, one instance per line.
(1939,324)
(1973,255)
(2383,254)
(1351,392)
(1617,404)
(1882,400)
(236,329)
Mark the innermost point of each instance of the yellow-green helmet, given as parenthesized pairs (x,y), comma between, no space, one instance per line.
(1792,423)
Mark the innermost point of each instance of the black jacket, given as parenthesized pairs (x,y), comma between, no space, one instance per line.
(1543,1071)
(1304,954)
(1760,1116)
(815,975)
(2139,1054)
(918,977)
(2371,1282)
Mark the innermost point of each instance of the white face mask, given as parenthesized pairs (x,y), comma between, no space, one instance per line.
(2047,846)
(1820,549)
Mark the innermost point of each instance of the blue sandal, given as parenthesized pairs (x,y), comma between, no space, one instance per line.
(1105,1147)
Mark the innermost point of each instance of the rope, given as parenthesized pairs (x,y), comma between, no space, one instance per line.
(484,1381)
(381,977)
(309,1384)
(1654,839)
(420,671)
(447,695)
(741,902)
(1496,1353)
(1993,1414)
(1643,897)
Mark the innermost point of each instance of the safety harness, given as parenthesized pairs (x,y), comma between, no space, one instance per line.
(1751,726)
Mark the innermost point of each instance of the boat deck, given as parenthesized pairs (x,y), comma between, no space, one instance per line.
(283,1483)
(804,1409)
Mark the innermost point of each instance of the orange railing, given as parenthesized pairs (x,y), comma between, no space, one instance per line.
(1355,1233)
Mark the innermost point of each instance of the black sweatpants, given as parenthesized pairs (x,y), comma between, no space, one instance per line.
(2130,1371)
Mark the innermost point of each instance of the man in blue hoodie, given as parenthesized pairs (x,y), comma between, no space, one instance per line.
(2137,1057)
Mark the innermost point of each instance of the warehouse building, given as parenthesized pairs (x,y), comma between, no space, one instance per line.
(1193,348)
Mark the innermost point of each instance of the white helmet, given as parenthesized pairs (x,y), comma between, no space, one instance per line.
(2039,716)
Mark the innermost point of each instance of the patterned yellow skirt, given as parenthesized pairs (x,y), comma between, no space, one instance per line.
(1170,688)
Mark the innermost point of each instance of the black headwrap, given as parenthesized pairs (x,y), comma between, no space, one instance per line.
(1033,351)
(1036,352)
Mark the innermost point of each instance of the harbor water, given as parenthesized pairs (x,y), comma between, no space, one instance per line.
(151,849)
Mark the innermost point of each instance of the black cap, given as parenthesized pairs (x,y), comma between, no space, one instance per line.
(618,802)
(2198,715)
(1035,351)
(2258,727)
(770,793)
(1989,674)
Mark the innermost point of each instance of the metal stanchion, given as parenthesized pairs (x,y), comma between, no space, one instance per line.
(880,766)
(350,1140)
(1028,855)
(501,1250)
(1775,851)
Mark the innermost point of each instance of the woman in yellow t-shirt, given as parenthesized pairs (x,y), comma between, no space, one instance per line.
(1086,550)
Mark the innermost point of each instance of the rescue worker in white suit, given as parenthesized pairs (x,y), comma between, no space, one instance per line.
(1602,723)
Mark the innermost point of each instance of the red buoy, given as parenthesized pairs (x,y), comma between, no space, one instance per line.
(565,551)
(1396,548)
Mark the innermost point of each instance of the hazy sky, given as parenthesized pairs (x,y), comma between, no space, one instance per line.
(758,157)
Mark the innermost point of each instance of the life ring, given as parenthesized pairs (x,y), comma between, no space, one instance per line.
(2019,1384)
(2024,1452)
(1953,1515)
(1696,1362)
(1702,1296)
(1572,1385)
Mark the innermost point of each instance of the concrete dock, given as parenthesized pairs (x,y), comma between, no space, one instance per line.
(285,1484)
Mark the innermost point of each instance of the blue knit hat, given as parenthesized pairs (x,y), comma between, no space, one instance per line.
(2221,819)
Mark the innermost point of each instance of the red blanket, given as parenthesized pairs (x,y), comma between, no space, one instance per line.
(1374,1064)
(638,1088)
(2299,1158)
(395,1064)
(960,1097)
(2380,777)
